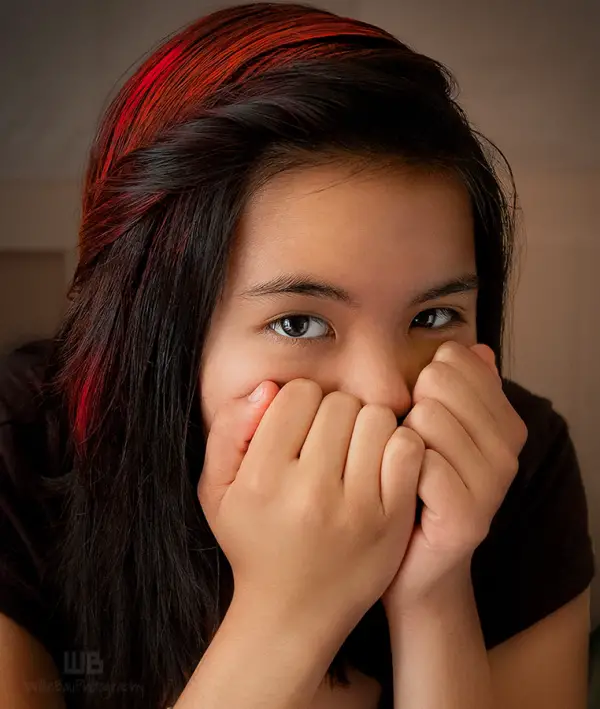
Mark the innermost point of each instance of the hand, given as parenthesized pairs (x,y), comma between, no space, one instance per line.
(304,497)
(473,437)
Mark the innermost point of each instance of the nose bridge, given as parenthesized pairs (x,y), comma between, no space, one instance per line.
(380,374)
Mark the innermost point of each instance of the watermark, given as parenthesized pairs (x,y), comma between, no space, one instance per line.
(82,663)
(89,664)
(70,686)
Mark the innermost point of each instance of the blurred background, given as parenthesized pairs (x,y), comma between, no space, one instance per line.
(528,72)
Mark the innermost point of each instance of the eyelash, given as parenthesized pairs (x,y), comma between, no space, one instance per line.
(455,318)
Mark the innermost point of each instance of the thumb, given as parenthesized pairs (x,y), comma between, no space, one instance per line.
(231,431)
(486,354)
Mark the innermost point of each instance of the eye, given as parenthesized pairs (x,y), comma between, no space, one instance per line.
(298,329)
(449,317)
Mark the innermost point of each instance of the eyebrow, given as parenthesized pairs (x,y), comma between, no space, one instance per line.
(302,285)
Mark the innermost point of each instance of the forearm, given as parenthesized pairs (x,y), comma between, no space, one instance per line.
(439,656)
(261,659)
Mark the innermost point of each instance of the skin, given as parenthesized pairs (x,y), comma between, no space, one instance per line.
(387,236)
(384,236)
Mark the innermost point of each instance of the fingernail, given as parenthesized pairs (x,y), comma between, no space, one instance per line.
(257,394)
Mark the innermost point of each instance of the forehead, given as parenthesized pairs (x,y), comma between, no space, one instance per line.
(356,224)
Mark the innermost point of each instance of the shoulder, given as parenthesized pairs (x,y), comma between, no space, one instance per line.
(27,513)
(538,554)
(26,429)
(22,374)
(549,477)
(524,399)
(28,434)
(547,430)
(537,411)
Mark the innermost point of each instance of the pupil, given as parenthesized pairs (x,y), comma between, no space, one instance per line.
(287,325)
(428,316)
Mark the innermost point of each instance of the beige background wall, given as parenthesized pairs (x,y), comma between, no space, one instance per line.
(527,71)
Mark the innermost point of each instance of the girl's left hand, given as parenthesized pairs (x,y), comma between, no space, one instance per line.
(473,438)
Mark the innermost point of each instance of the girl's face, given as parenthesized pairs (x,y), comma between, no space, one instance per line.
(372,247)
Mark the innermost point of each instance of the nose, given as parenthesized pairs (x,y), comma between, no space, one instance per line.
(377,374)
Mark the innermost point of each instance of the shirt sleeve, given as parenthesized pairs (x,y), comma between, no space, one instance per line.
(539,554)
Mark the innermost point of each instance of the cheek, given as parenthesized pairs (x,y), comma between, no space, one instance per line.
(226,376)
(466,336)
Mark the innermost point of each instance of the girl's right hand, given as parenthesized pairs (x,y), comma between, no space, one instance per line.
(312,499)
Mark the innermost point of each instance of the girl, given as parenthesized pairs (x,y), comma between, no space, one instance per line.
(287,198)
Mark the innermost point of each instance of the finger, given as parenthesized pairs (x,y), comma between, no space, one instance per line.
(362,476)
(326,446)
(503,411)
(400,472)
(447,504)
(487,356)
(478,358)
(281,433)
(446,384)
(228,439)
(441,432)
(486,384)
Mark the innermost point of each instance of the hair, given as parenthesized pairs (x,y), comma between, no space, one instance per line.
(219,108)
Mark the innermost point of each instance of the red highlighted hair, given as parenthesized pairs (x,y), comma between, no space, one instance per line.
(227,102)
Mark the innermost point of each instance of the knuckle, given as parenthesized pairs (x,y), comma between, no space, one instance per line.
(308,507)
(304,387)
(434,376)
(449,350)
(479,529)
(342,399)
(423,411)
(220,424)
(522,432)
(471,530)
(508,461)
(408,442)
(429,407)
(253,486)
(378,414)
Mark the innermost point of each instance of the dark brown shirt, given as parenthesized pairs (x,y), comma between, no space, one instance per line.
(537,556)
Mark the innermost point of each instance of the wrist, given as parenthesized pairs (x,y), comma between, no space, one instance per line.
(311,628)
(279,659)
(449,592)
(438,649)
